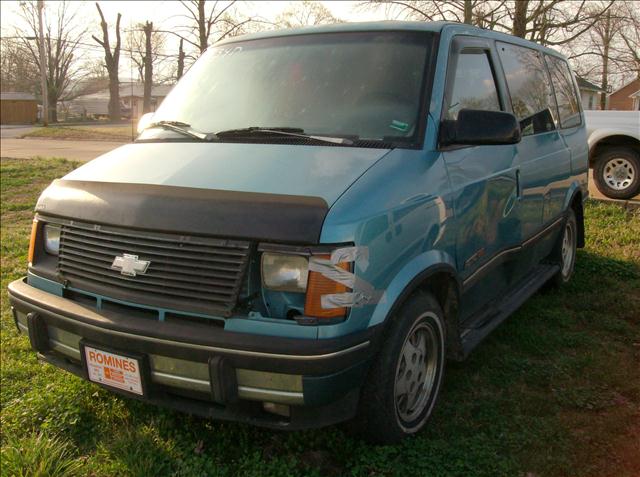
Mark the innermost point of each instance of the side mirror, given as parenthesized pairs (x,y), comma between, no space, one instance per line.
(476,127)
(144,121)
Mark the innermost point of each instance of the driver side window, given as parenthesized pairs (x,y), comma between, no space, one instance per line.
(474,86)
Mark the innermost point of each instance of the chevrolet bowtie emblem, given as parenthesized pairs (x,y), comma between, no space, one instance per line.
(129,265)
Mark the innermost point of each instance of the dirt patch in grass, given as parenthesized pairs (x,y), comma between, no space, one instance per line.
(83,133)
(555,391)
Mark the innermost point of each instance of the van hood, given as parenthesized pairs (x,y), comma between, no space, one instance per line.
(249,191)
(313,171)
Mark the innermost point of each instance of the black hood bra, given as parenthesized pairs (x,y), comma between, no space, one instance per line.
(193,211)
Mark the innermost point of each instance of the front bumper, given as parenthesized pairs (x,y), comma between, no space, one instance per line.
(203,369)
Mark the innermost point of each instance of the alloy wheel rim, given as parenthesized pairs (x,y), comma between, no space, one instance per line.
(567,249)
(416,371)
(619,173)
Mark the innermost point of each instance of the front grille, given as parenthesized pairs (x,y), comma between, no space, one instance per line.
(186,273)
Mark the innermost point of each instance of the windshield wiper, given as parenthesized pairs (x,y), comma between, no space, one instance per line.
(280,131)
(182,128)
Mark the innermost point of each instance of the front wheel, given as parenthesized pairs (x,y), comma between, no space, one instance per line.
(617,172)
(404,382)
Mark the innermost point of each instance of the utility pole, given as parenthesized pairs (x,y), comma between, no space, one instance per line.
(43,69)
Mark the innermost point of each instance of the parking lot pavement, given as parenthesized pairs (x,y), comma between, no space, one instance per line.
(73,150)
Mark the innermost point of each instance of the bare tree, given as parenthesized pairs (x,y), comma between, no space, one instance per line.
(548,22)
(63,34)
(553,22)
(604,32)
(482,13)
(112,63)
(145,45)
(209,22)
(95,79)
(630,34)
(136,46)
(305,13)
(18,71)
(603,55)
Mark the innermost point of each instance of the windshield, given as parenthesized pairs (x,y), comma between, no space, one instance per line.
(362,85)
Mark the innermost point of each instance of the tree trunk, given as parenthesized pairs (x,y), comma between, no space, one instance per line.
(148,68)
(468,12)
(112,63)
(181,56)
(605,60)
(53,111)
(520,19)
(202,26)
(114,99)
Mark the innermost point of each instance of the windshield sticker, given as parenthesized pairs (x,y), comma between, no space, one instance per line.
(399,125)
(228,51)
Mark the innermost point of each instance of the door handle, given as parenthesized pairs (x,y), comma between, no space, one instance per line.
(518,185)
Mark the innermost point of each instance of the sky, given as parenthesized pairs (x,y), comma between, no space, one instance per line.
(164,13)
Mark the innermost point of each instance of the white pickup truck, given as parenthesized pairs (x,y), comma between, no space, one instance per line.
(614,152)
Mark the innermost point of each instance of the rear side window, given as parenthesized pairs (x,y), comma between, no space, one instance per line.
(529,87)
(568,102)
(473,85)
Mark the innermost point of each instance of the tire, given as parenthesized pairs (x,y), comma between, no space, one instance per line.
(617,172)
(417,333)
(565,250)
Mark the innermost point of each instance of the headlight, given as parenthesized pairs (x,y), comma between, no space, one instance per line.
(52,239)
(285,272)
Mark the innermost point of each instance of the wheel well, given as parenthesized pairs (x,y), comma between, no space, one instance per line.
(576,205)
(613,141)
(445,288)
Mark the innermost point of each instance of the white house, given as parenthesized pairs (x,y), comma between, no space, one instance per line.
(131,100)
(589,94)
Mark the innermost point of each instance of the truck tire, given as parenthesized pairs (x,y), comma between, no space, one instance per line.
(404,382)
(617,172)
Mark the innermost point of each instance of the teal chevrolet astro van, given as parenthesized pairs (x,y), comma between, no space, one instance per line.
(312,223)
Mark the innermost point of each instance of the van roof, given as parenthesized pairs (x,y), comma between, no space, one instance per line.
(392,25)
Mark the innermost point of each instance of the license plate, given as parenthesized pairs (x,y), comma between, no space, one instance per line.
(113,370)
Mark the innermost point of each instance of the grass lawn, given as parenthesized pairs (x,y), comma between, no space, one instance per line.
(555,391)
(83,133)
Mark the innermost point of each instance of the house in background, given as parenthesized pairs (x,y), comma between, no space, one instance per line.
(132,96)
(625,98)
(96,105)
(18,108)
(589,94)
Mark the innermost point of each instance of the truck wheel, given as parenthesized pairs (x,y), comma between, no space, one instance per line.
(564,252)
(404,381)
(617,172)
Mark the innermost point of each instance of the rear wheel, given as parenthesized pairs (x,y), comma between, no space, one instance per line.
(617,172)
(404,382)
(564,253)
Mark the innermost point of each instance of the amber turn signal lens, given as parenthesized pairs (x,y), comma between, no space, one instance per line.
(318,285)
(32,241)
